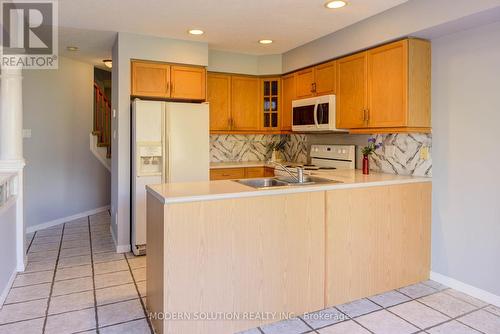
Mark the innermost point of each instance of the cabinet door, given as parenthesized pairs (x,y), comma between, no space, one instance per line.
(288,95)
(188,82)
(351,91)
(227,173)
(219,97)
(324,78)
(253,172)
(387,85)
(304,83)
(150,79)
(245,103)
(270,103)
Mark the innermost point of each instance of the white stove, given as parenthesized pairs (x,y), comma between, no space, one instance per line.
(324,159)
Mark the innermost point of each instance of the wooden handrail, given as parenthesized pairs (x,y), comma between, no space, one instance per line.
(102,119)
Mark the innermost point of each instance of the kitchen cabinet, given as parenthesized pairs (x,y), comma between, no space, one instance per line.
(219,97)
(377,239)
(240,173)
(150,79)
(245,103)
(316,81)
(287,96)
(385,89)
(270,103)
(166,81)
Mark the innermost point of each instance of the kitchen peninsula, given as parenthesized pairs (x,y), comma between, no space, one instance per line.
(221,246)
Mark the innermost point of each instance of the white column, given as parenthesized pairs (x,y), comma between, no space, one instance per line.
(11,147)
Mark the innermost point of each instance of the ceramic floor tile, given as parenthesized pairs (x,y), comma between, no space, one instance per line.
(141,286)
(106,257)
(75,243)
(418,314)
(72,285)
(390,298)
(346,327)
(34,326)
(74,261)
(104,248)
(23,311)
(465,298)
(116,294)
(493,309)
(112,279)
(27,293)
(44,247)
(133,327)
(76,230)
(452,327)
(48,233)
(358,307)
(324,318)
(435,285)
(417,290)
(34,266)
(291,326)
(383,322)
(109,267)
(71,322)
(447,304)
(72,302)
(120,312)
(75,251)
(137,262)
(73,272)
(46,240)
(483,321)
(43,256)
(139,274)
(76,236)
(33,278)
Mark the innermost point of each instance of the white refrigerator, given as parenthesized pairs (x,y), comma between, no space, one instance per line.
(170,143)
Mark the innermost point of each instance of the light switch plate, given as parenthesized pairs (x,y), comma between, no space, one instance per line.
(26,133)
(424,153)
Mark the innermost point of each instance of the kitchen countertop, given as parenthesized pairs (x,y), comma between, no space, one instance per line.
(239,164)
(171,193)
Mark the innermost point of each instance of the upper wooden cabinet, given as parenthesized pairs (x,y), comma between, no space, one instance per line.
(287,96)
(245,103)
(150,79)
(165,81)
(316,81)
(385,89)
(270,103)
(219,97)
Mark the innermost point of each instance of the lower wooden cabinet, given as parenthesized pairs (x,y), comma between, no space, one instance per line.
(378,239)
(240,173)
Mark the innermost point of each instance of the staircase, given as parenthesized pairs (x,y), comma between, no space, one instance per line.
(100,141)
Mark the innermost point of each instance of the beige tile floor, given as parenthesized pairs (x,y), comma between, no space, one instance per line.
(76,283)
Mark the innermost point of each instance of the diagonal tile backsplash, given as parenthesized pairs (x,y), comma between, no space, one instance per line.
(405,161)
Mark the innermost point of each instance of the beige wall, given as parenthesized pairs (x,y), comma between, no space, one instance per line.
(62,177)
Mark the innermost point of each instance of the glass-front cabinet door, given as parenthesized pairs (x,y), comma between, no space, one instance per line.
(270,103)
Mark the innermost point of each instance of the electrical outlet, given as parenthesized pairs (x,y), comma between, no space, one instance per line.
(424,153)
(26,133)
(390,151)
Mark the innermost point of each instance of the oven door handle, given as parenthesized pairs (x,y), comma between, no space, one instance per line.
(316,115)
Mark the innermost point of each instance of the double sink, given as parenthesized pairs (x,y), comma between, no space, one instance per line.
(277,182)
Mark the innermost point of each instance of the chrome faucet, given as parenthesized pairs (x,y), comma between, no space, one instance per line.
(300,171)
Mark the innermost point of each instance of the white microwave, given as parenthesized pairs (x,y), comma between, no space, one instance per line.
(314,114)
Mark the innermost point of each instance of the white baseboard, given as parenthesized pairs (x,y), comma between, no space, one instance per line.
(6,289)
(119,248)
(483,295)
(59,221)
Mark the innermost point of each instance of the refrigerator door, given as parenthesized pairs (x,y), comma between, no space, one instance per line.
(187,142)
(147,162)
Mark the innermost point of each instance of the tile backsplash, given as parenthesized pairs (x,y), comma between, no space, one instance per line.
(405,149)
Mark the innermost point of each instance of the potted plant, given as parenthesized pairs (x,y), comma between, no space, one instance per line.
(277,148)
(367,151)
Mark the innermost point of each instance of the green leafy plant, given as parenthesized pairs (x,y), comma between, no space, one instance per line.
(371,147)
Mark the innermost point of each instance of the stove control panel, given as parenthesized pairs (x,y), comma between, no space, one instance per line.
(336,152)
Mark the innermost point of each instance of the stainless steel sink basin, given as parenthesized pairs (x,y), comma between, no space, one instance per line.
(283,181)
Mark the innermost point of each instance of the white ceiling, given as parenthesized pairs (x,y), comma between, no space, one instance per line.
(232,25)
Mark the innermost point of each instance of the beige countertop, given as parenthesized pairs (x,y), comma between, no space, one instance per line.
(239,164)
(170,193)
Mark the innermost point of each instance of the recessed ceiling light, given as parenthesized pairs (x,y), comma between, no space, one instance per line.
(72,48)
(196,32)
(108,63)
(265,41)
(335,4)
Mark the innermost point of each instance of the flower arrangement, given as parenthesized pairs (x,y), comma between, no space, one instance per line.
(371,147)
(277,147)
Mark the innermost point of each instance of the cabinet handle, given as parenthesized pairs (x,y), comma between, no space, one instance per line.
(367,115)
(364,115)
(168,87)
(173,87)
(314,87)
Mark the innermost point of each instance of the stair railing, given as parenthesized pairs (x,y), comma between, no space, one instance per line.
(102,119)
